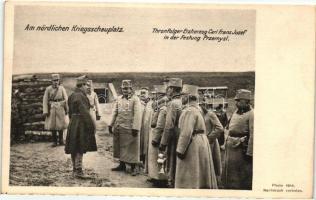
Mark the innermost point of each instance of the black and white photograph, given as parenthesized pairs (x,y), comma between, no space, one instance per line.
(124,118)
(151,97)
(142,129)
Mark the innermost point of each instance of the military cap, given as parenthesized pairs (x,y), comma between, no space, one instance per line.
(55,77)
(190,90)
(126,84)
(82,79)
(243,94)
(175,82)
(144,88)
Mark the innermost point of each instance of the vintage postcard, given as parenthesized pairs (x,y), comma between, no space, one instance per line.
(185,100)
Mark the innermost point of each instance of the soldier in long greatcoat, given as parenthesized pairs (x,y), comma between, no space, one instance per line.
(146,124)
(125,126)
(170,134)
(55,109)
(239,144)
(195,167)
(156,134)
(80,135)
(214,130)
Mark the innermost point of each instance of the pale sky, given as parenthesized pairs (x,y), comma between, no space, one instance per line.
(135,50)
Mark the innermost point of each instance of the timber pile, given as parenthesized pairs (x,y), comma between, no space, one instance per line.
(29,90)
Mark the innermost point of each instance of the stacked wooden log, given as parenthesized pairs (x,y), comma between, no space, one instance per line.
(29,90)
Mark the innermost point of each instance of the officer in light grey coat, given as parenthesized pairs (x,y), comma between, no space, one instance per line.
(195,168)
(125,126)
(55,109)
(239,144)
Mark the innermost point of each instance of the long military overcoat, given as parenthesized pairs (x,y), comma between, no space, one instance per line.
(127,115)
(170,134)
(146,131)
(196,169)
(80,135)
(55,105)
(238,155)
(155,135)
(146,127)
(214,130)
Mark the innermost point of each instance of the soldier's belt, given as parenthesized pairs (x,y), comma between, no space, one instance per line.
(56,100)
(238,135)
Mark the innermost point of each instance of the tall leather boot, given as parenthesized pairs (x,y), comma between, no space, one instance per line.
(61,137)
(78,165)
(54,136)
(73,160)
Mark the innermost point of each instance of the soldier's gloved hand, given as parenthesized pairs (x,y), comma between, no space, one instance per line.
(134,132)
(154,143)
(180,156)
(110,129)
(162,147)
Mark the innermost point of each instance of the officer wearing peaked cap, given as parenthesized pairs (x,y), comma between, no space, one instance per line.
(239,144)
(193,149)
(171,131)
(126,84)
(243,94)
(125,126)
(80,135)
(55,109)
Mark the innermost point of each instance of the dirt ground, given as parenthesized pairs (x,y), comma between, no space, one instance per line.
(38,164)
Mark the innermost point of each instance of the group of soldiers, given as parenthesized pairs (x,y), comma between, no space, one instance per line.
(174,135)
(170,134)
(82,109)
